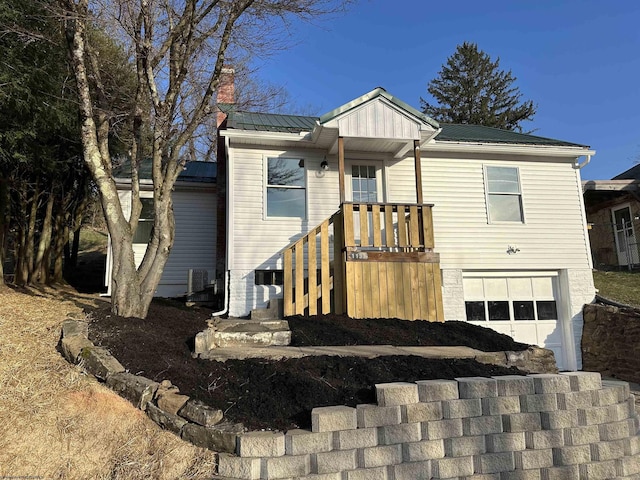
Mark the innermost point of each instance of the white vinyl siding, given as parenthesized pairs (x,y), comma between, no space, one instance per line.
(256,239)
(553,236)
(195,238)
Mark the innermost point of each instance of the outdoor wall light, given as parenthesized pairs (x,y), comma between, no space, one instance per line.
(324,165)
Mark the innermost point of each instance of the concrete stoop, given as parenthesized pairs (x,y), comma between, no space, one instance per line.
(235,332)
(274,310)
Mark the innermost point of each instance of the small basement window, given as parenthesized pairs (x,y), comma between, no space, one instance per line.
(269,277)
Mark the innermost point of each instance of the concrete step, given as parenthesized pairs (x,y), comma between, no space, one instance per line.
(274,310)
(235,332)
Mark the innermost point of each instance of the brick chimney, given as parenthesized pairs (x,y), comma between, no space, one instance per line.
(226,93)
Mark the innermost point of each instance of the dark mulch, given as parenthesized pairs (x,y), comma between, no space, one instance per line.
(281,394)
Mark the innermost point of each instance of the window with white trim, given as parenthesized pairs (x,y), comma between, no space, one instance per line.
(504,195)
(286,192)
(145,222)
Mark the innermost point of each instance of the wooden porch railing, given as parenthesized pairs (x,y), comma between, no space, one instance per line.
(373,232)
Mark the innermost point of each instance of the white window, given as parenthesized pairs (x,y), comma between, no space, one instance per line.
(364,184)
(286,190)
(504,196)
(145,223)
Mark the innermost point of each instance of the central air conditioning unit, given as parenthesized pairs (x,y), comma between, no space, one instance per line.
(199,290)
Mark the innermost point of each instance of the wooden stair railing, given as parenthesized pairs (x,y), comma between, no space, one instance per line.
(301,288)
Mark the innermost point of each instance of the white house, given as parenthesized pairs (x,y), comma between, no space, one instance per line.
(195,204)
(376,210)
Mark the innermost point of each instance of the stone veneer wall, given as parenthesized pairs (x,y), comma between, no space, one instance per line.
(541,426)
(610,340)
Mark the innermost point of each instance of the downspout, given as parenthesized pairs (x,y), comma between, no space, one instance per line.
(579,166)
(227,274)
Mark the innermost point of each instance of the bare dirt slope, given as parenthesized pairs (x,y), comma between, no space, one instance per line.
(61,424)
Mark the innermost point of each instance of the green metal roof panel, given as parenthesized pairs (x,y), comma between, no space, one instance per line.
(454,132)
(270,122)
(200,172)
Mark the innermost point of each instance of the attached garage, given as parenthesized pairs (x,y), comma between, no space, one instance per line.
(525,305)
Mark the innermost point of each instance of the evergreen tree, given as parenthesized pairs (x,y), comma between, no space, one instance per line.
(472,89)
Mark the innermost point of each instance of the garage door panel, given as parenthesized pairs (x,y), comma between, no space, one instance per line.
(532,308)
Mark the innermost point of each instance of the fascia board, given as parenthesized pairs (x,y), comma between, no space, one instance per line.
(542,150)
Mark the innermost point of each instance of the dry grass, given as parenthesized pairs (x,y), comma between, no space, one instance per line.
(58,423)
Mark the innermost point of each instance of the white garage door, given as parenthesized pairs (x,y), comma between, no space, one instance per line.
(524,307)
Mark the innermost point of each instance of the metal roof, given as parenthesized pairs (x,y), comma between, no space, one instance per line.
(267,122)
(270,122)
(631,174)
(200,172)
(455,132)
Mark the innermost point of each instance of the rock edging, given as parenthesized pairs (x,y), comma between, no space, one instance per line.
(188,418)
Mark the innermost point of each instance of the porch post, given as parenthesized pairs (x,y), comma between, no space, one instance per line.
(418,166)
(341,168)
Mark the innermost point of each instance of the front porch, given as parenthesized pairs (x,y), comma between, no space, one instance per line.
(368,260)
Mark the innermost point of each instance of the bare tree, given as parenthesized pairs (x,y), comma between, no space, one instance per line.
(178,49)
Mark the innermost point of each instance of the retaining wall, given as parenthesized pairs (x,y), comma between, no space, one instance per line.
(540,427)
(610,341)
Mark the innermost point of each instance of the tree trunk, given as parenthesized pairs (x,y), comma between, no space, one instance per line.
(4,222)
(42,265)
(61,238)
(30,238)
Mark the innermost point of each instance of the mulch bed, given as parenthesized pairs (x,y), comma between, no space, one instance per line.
(280,394)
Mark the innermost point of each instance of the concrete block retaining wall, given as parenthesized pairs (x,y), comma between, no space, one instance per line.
(542,426)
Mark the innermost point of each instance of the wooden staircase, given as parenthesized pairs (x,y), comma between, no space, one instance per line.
(368,260)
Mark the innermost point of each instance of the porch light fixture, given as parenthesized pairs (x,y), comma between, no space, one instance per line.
(324,165)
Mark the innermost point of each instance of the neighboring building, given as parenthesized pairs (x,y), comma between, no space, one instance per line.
(194,202)
(613,213)
(437,222)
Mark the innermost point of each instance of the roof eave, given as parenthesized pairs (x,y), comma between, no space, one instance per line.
(510,148)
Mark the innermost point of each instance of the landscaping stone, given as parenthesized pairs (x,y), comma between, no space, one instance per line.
(484,425)
(72,327)
(329,419)
(359,438)
(300,442)
(461,408)
(501,405)
(197,412)
(544,439)
(581,381)
(403,433)
(380,456)
(72,347)
(221,438)
(236,467)
(424,450)
(628,466)
(260,444)
(335,461)
(464,446)
(411,471)
(440,429)
(571,455)
(550,383)
(374,416)
(421,412)
(529,459)
(575,400)
(166,420)
(612,450)
(509,385)
(171,402)
(559,419)
(597,470)
(435,390)
(546,402)
(398,393)
(99,362)
(452,467)
(521,422)
(521,475)
(569,472)
(477,387)
(378,473)
(505,442)
(290,466)
(493,462)
(138,390)
(581,435)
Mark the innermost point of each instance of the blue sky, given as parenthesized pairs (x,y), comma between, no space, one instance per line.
(578,60)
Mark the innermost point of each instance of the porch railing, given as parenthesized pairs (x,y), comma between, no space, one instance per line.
(312,270)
